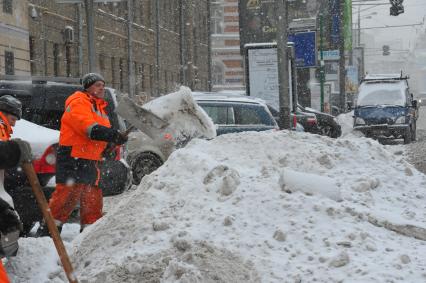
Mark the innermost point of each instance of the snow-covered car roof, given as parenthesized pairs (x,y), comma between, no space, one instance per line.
(227,96)
(38,136)
(384,76)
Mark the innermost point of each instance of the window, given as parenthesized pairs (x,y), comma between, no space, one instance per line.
(32,55)
(151,78)
(113,77)
(121,74)
(142,77)
(68,60)
(220,114)
(247,116)
(149,14)
(217,75)
(55,59)
(102,63)
(9,61)
(216,18)
(7,6)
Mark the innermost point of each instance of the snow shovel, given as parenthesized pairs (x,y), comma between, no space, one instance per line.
(143,119)
(42,203)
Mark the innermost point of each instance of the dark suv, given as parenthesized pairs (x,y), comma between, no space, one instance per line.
(385,107)
(43,104)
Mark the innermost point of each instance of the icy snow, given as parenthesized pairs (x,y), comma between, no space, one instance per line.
(255,207)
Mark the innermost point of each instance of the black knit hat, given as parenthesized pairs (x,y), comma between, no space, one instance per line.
(91,78)
(11,105)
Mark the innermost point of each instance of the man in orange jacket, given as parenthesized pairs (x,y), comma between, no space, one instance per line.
(12,153)
(84,134)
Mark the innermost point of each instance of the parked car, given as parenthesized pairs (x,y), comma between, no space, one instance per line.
(326,123)
(235,113)
(385,107)
(308,121)
(43,105)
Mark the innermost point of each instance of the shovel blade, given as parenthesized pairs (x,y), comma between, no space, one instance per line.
(143,119)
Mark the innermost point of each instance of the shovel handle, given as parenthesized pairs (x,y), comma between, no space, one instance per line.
(42,203)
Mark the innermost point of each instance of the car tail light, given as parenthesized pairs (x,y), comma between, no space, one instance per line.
(47,162)
(311,121)
(119,152)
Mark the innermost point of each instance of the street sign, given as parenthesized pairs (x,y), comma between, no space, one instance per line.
(305,48)
(330,55)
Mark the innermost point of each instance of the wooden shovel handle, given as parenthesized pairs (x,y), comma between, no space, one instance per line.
(42,203)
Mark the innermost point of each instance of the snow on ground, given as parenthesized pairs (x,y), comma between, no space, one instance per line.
(256,207)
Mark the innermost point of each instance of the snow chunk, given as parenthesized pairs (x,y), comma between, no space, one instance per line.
(310,184)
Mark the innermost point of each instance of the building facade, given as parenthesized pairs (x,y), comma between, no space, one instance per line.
(14,38)
(227,62)
(170,43)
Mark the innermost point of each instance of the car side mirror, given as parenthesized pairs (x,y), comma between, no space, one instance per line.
(415,104)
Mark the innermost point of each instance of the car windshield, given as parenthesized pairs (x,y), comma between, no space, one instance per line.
(382,94)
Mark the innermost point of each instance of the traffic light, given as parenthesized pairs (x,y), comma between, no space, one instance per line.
(396,7)
(386,50)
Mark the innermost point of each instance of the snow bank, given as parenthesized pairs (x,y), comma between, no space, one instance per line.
(222,201)
(217,211)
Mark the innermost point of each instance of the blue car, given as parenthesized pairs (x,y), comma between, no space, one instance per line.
(385,107)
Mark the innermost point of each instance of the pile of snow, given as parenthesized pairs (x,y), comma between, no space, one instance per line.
(261,207)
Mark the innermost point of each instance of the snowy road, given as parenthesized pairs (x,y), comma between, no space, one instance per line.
(417,150)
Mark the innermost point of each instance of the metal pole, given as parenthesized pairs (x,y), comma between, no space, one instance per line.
(190,49)
(182,43)
(130,49)
(90,35)
(157,47)
(80,39)
(322,60)
(342,71)
(209,55)
(282,37)
(359,26)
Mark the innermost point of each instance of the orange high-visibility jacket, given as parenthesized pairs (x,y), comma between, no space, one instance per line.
(5,128)
(82,112)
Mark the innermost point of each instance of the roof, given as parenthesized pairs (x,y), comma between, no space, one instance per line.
(226,97)
(369,77)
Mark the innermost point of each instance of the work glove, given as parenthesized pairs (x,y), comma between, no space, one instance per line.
(9,219)
(25,148)
(119,138)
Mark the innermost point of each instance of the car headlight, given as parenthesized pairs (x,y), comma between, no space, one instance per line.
(400,120)
(359,121)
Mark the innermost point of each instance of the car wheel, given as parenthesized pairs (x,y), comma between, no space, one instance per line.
(407,136)
(326,131)
(414,135)
(144,164)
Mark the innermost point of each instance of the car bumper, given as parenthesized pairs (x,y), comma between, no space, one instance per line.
(384,129)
